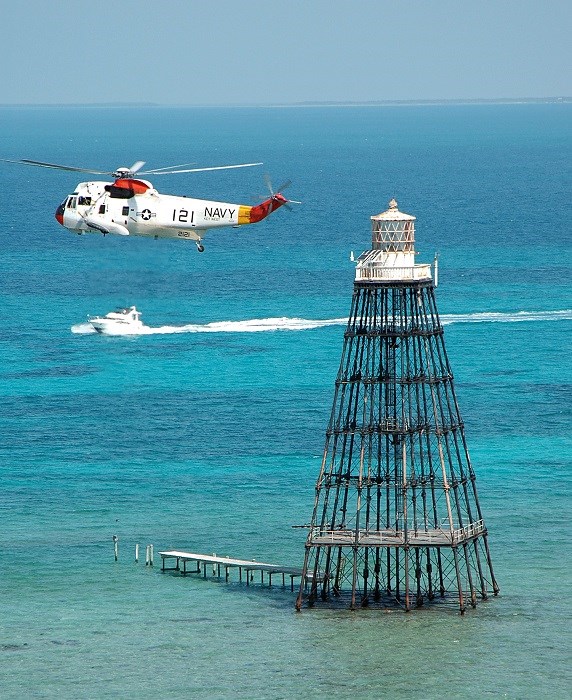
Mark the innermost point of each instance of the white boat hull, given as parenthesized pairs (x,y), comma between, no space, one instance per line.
(122,322)
(106,327)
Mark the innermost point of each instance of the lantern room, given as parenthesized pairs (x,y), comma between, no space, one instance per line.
(393,231)
(392,255)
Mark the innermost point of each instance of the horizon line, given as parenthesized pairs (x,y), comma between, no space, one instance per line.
(307,103)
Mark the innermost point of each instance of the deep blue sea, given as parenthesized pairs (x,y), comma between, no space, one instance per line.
(208,438)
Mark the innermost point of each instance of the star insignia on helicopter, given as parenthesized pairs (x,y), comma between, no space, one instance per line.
(146,214)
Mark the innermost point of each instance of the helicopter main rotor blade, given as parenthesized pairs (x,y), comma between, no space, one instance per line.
(137,166)
(202,170)
(169,167)
(40,164)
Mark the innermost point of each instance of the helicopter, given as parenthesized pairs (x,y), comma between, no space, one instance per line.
(131,206)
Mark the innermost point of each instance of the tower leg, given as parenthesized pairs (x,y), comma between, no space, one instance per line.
(406,564)
(429,567)
(354,578)
(496,588)
(397,572)
(470,576)
(377,593)
(388,570)
(459,584)
(365,595)
(326,578)
(484,595)
(300,597)
(339,573)
(440,566)
(419,598)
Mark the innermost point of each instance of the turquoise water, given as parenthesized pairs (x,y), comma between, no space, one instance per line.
(210,441)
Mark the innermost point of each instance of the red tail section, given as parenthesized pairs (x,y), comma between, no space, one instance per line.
(261,211)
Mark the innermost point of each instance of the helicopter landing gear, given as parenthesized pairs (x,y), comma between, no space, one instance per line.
(200,247)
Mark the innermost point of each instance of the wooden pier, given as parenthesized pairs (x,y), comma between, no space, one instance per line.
(203,561)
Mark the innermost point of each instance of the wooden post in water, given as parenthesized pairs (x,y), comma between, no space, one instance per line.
(149,555)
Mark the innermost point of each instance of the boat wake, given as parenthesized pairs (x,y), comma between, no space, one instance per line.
(255,325)
(497,317)
(260,325)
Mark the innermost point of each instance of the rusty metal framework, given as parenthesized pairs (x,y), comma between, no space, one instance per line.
(397,520)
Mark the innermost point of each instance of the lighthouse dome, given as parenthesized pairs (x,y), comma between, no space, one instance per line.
(393,214)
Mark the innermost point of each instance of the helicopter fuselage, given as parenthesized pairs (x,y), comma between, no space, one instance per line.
(133,207)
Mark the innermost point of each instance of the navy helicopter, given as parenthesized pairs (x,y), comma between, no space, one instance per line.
(131,206)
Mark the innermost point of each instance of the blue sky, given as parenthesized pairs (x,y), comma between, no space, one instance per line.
(265,51)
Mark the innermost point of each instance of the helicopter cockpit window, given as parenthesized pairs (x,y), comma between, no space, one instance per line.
(72,202)
(84,201)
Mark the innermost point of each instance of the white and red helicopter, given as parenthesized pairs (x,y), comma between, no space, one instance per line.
(130,206)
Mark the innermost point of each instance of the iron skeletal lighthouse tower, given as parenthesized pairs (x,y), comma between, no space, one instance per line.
(397,520)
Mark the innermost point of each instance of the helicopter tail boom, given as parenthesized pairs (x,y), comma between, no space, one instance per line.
(251,215)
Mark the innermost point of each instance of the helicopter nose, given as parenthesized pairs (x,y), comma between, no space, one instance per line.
(60,214)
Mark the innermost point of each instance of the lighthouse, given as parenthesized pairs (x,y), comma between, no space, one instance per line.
(396,520)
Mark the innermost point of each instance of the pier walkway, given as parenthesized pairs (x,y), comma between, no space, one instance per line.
(203,561)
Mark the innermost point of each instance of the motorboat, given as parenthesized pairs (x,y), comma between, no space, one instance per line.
(120,322)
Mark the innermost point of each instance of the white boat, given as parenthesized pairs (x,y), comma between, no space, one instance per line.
(119,322)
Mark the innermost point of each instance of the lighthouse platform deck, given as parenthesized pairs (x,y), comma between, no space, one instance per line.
(436,537)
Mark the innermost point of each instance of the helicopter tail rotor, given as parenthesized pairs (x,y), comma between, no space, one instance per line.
(277,199)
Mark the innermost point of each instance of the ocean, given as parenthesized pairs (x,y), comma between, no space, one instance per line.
(205,433)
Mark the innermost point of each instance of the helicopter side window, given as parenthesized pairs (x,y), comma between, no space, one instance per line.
(72,202)
(102,208)
(84,201)
(125,211)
